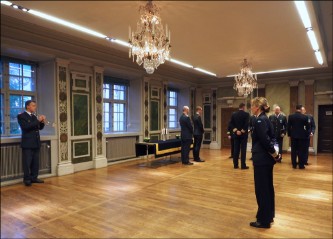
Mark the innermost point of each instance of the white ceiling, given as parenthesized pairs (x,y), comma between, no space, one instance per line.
(214,35)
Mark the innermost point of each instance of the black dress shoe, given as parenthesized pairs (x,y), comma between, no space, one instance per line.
(294,167)
(259,225)
(188,163)
(27,183)
(37,180)
(301,167)
(236,167)
(231,157)
(246,167)
(199,160)
(306,164)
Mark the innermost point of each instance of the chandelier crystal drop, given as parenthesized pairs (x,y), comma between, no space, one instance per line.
(246,80)
(149,44)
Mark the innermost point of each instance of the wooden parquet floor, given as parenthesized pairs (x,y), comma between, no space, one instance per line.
(169,200)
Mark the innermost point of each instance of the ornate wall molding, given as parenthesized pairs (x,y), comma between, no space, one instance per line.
(62,76)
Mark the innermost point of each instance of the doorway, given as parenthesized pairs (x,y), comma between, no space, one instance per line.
(325,129)
(225,118)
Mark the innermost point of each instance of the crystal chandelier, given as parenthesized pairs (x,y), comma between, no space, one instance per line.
(245,81)
(149,44)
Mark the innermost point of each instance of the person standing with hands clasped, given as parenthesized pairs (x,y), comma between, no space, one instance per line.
(197,134)
(30,126)
(265,153)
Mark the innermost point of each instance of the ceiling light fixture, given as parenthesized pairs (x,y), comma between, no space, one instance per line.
(303,13)
(66,23)
(6,3)
(149,44)
(181,63)
(246,80)
(204,71)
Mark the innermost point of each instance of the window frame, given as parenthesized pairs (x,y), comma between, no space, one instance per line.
(174,107)
(112,101)
(7,92)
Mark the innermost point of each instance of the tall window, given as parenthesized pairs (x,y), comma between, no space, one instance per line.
(172,109)
(115,105)
(18,83)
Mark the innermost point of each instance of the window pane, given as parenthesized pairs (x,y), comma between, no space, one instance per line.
(26,98)
(106,91)
(15,101)
(15,83)
(13,113)
(15,69)
(27,70)
(28,84)
(119,95)
(172,111)
(15,128)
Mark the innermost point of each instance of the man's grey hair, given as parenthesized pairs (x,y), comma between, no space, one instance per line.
(185,108)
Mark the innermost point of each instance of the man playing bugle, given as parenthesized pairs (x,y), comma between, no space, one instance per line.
(30,125)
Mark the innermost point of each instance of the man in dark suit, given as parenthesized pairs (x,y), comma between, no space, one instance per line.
(197,134)
(312,131)
(279,122)
(299,131)
(239,124)
(30,126)
(186,135)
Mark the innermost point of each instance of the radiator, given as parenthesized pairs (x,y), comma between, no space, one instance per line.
(11,161)
(120,148)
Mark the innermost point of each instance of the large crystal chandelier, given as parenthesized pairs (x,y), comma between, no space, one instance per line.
(245,81)
(149,44)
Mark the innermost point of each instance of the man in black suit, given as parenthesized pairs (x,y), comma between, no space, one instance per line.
(279,122)
(186,135)
(197,134)
(312,131)
(30,143)
(239,124)
(299,131)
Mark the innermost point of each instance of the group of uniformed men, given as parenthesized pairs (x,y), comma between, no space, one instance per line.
(300,127)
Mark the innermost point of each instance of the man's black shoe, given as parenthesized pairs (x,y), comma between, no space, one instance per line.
(27,183)
(37,180)
(306,164)
(301,167)
(246,167)
(236,167)
(199,160)
(259,225)
(188,163)
(294,166)
(231,157)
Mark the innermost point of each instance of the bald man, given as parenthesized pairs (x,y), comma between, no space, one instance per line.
(186,135)
(279,122)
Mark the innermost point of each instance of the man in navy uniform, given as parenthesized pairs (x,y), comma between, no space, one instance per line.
(186,135)
(299,131)
(312,131)
(30,126)
(279,122)
(197,134)
(239,124)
